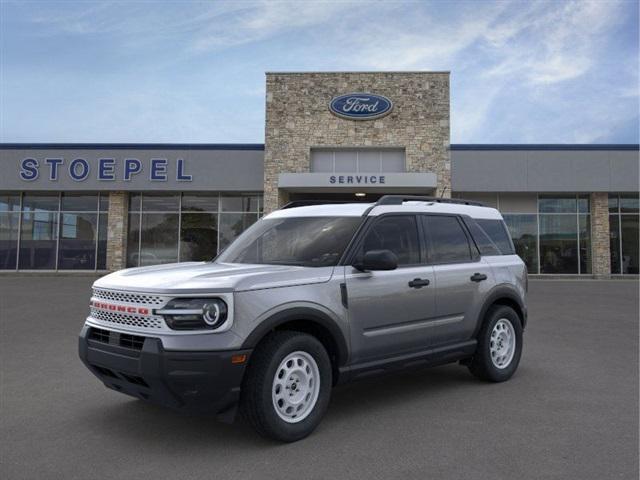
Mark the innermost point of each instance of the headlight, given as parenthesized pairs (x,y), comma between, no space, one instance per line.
(194,313)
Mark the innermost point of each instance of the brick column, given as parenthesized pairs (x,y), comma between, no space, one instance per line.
(117,230)
(600,252)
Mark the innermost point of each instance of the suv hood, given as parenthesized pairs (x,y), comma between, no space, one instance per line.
(206,277)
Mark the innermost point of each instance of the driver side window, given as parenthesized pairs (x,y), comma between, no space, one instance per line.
(398,234)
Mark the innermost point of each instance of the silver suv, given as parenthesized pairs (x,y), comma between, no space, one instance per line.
(309,297)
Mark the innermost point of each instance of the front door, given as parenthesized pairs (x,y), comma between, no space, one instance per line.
(389,311)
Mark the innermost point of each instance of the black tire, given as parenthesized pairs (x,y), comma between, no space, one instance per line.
(256,402)
(481,364)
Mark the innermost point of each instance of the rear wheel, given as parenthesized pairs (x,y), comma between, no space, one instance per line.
(288,386)
(499,345)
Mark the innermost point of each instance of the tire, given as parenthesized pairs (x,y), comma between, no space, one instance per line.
(287,388)
(496,358)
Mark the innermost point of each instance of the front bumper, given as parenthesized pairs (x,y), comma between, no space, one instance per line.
(203,381)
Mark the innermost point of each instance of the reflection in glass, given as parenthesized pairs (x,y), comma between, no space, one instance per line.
(40,201)
(8,240)
(558,244)
(629,204)
(239,203)
(79,202)
(160,202)
(630,245)
(585,243)
(77,246)
(133,240)
(613,203)
(232,225)
(557,204)
(102,241)
(583,204)
(200,202)
(524,232)
(38,240)
(614,242)
(198,236)
(159,238)
(9,202)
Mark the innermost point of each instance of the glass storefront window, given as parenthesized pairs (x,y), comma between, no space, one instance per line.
(200,202)
(78,235)
(232,225)
(9,222)
(239,203)
(198,236)
(584,236)
(9,202)
(133,240)
(557,204)
(623,234)
(38,240)
(524,232)
(154,202)
(40,201)
(159,238)
(558,244)
(79,202)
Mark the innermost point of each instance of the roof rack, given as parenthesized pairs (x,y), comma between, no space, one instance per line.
(307,203)
(400,199)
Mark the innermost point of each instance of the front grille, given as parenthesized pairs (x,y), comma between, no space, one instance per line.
(133,298)
(117,318)
(131,341)
(99,335)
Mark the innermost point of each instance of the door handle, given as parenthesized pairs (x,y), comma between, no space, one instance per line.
(478,277)
(418,283)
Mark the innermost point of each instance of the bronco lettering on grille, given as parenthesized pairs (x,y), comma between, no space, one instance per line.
(118,308)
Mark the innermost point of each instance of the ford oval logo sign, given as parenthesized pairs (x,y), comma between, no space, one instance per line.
(360,106)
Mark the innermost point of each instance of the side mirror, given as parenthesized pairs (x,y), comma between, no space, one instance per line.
(377,260)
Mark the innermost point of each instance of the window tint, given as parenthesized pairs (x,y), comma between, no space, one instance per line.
(498,233)
(447,241)
(484,243)
(398,234)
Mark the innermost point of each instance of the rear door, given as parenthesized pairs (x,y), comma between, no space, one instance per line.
(389,310)
(462,278)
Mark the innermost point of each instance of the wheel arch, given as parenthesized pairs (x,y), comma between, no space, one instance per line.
(306,320)
(503,295)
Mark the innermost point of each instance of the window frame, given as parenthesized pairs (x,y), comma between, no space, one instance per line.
(358,239)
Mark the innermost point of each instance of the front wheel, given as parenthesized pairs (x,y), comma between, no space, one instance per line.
(288,386)
(499,345)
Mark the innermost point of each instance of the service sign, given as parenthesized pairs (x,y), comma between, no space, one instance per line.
(360,106)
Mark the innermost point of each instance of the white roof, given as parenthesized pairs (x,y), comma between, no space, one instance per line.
(358,209)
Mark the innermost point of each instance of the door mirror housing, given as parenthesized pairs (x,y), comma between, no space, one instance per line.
(377,260)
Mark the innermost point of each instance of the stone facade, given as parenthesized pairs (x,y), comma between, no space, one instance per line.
(117,230)
(298,119)
(600,248)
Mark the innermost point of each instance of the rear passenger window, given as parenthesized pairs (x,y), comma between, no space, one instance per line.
(497,231)
(484,243)
(447,241)
(398,234)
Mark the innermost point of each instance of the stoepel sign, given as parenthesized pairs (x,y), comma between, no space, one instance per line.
(360,106)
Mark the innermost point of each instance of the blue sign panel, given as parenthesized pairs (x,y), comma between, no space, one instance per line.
(360,106)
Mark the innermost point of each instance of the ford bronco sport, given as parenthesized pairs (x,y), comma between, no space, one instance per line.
(309,297)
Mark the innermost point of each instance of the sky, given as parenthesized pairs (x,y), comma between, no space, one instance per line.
(193,72)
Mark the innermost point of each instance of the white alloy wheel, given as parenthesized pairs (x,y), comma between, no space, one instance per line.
(296,386)
(503,343)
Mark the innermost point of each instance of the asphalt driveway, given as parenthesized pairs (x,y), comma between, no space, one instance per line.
(571,411)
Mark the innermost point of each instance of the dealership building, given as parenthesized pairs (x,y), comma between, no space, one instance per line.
(331,136)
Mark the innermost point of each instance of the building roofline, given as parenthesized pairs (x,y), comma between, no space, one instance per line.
(544,146)
(132,146)
(443,72)
(260,146)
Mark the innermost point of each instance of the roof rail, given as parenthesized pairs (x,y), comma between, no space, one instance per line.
(307,203)
(400,199)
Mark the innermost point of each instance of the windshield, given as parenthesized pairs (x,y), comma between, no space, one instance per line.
(303,241)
